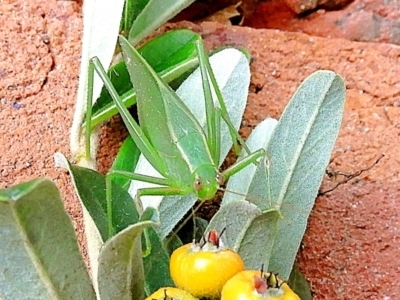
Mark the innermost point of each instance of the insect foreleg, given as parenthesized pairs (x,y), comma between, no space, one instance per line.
(159,191)
(153,191)
(240,165)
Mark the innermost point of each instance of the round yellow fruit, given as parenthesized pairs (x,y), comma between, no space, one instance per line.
(170,293)
(254,285)
(203,271)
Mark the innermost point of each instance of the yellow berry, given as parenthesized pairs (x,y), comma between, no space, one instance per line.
(254,285)
(203,270)
(170,293)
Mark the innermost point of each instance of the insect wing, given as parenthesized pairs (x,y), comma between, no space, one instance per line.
(166,121)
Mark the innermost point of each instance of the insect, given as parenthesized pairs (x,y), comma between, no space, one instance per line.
(169,136)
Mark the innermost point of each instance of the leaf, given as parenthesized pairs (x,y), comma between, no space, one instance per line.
(93,236)
(170,54)
(299,284)
(121,273)
(249,232)
(172,208)
(132,9)
(126,160)
(232,72)
(155,13)
(91,189)
(100,32)
(172,242)
(299,152)
(40,258)
(169,50)
(236,224)
(245,183)
(156,265)
(259,234)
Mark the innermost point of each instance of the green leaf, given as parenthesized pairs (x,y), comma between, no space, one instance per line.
(121,273)
(236,224)
(126,160)
(249,232)
(172,208)
(132,9)
(156,265)
(169,50)
(262,230)
(91,189)
(249,183)
(156,13)
(299,284)
(40,258)
(100,32)
(171,55)
(171,243)
(299,152)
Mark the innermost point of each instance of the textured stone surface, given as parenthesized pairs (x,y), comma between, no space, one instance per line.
(362,20)
(302,6)
(40,52)
(351,246)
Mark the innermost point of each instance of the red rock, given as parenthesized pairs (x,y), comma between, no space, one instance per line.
(362,20)
(302,6)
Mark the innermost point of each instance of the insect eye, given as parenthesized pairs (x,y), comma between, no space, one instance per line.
(220,179)
(198,185)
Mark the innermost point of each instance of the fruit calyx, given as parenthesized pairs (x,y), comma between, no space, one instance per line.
(268,285)
(210,242)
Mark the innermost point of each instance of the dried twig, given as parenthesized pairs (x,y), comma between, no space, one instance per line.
(347,177)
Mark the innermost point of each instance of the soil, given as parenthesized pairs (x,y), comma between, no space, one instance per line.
(350,250)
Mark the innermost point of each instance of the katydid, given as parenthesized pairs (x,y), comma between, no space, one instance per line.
(169,136)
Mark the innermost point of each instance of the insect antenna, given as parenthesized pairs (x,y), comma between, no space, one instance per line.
(247,197)
(187,218)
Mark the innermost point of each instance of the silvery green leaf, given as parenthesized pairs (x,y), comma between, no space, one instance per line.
(244,183)
(299,152)
(121,274)
(101,20)
(39,253)
(235,217)
(248,230)
(284,186)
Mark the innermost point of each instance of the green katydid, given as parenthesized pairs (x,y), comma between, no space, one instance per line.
(169,135)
